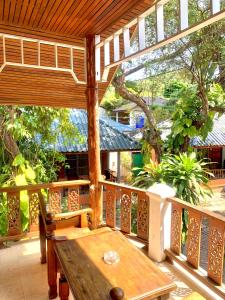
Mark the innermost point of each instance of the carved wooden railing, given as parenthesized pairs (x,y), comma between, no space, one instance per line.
(218,173)
(53,192)
(214,242)
(119,200)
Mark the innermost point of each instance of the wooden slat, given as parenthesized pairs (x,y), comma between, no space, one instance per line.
(176,228)
(33,209)
(55,195)
(143,215)
(216,250)
(194,238)
(125,221)
(73,199)
(183,14)
(14,217)
(110,198)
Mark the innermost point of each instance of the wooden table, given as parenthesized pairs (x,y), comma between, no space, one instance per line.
(90,278)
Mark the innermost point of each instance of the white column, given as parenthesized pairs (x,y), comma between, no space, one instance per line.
(159,220)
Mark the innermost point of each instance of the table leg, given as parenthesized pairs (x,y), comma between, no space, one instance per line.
(52,269)
(63,287)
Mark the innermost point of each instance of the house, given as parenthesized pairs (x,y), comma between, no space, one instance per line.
(133,115)
(213,147)
(113,141)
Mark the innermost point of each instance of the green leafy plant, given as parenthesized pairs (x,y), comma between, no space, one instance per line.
(183,172)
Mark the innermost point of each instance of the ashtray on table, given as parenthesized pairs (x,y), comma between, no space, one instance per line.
(111,257)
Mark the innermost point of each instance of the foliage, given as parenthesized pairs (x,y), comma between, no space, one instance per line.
(33,131)
(187,118)
(126,162)
(27,151)
(111,100)
(183,172)
(173,88)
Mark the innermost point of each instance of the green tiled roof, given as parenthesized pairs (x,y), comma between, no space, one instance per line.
(112,136)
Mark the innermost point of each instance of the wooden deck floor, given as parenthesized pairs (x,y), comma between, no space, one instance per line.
(22,277)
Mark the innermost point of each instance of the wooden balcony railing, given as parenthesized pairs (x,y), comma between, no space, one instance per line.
(59,196)
(212,241)
(127,208)
(218,173)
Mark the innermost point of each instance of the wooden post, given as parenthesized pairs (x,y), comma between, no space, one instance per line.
(93,133)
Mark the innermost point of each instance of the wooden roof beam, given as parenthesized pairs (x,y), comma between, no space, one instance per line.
(217,13)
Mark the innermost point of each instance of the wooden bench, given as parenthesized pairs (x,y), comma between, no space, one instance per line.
(70,225)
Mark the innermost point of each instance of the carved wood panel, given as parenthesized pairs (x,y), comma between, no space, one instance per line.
(143,216)
(55,200)
(73,199)
(176,228)
(14,220)
(125,222)
(111,206)
(33,209)
(194,238)
(216,250)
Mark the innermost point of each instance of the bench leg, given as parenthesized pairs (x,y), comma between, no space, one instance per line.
(83,221)
(63,288)
(42,235)
(52,270)
(164,297)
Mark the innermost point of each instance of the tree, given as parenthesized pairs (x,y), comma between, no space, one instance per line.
(201,54)
(25,136)
(27,153)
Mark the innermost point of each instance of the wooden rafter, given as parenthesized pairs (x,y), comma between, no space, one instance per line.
(217,13)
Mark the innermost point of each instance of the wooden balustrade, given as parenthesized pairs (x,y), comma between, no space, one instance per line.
(128,198)
(14,197)
(214,241)
(218,173)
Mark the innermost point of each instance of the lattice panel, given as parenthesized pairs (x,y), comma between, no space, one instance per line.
(216,250)
(111,206)
(14,220)
(176,229)
(55,200)
(143,216)
(194,238)
(125,210)
(73,199)
(33,209)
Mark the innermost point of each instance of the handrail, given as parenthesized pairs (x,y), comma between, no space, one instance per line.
(122,211)
(57,184)
(214,226)
(204,212)
(123,186)
(55,193)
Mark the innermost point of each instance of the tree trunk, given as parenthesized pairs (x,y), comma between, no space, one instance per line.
(151,134)
(8,142)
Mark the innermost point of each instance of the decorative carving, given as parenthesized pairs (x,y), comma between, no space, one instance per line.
(55,200)
(111,206)
(216,251)
(176,228)
(33,209)
(73,199)
(14,221)
(143,216)
(194,238)
(126,211)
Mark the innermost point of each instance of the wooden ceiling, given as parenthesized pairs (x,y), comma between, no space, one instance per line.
(65,21)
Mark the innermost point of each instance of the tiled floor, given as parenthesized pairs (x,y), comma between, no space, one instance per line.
(22,277)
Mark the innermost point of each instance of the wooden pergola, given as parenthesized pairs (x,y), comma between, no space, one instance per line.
(64,54)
